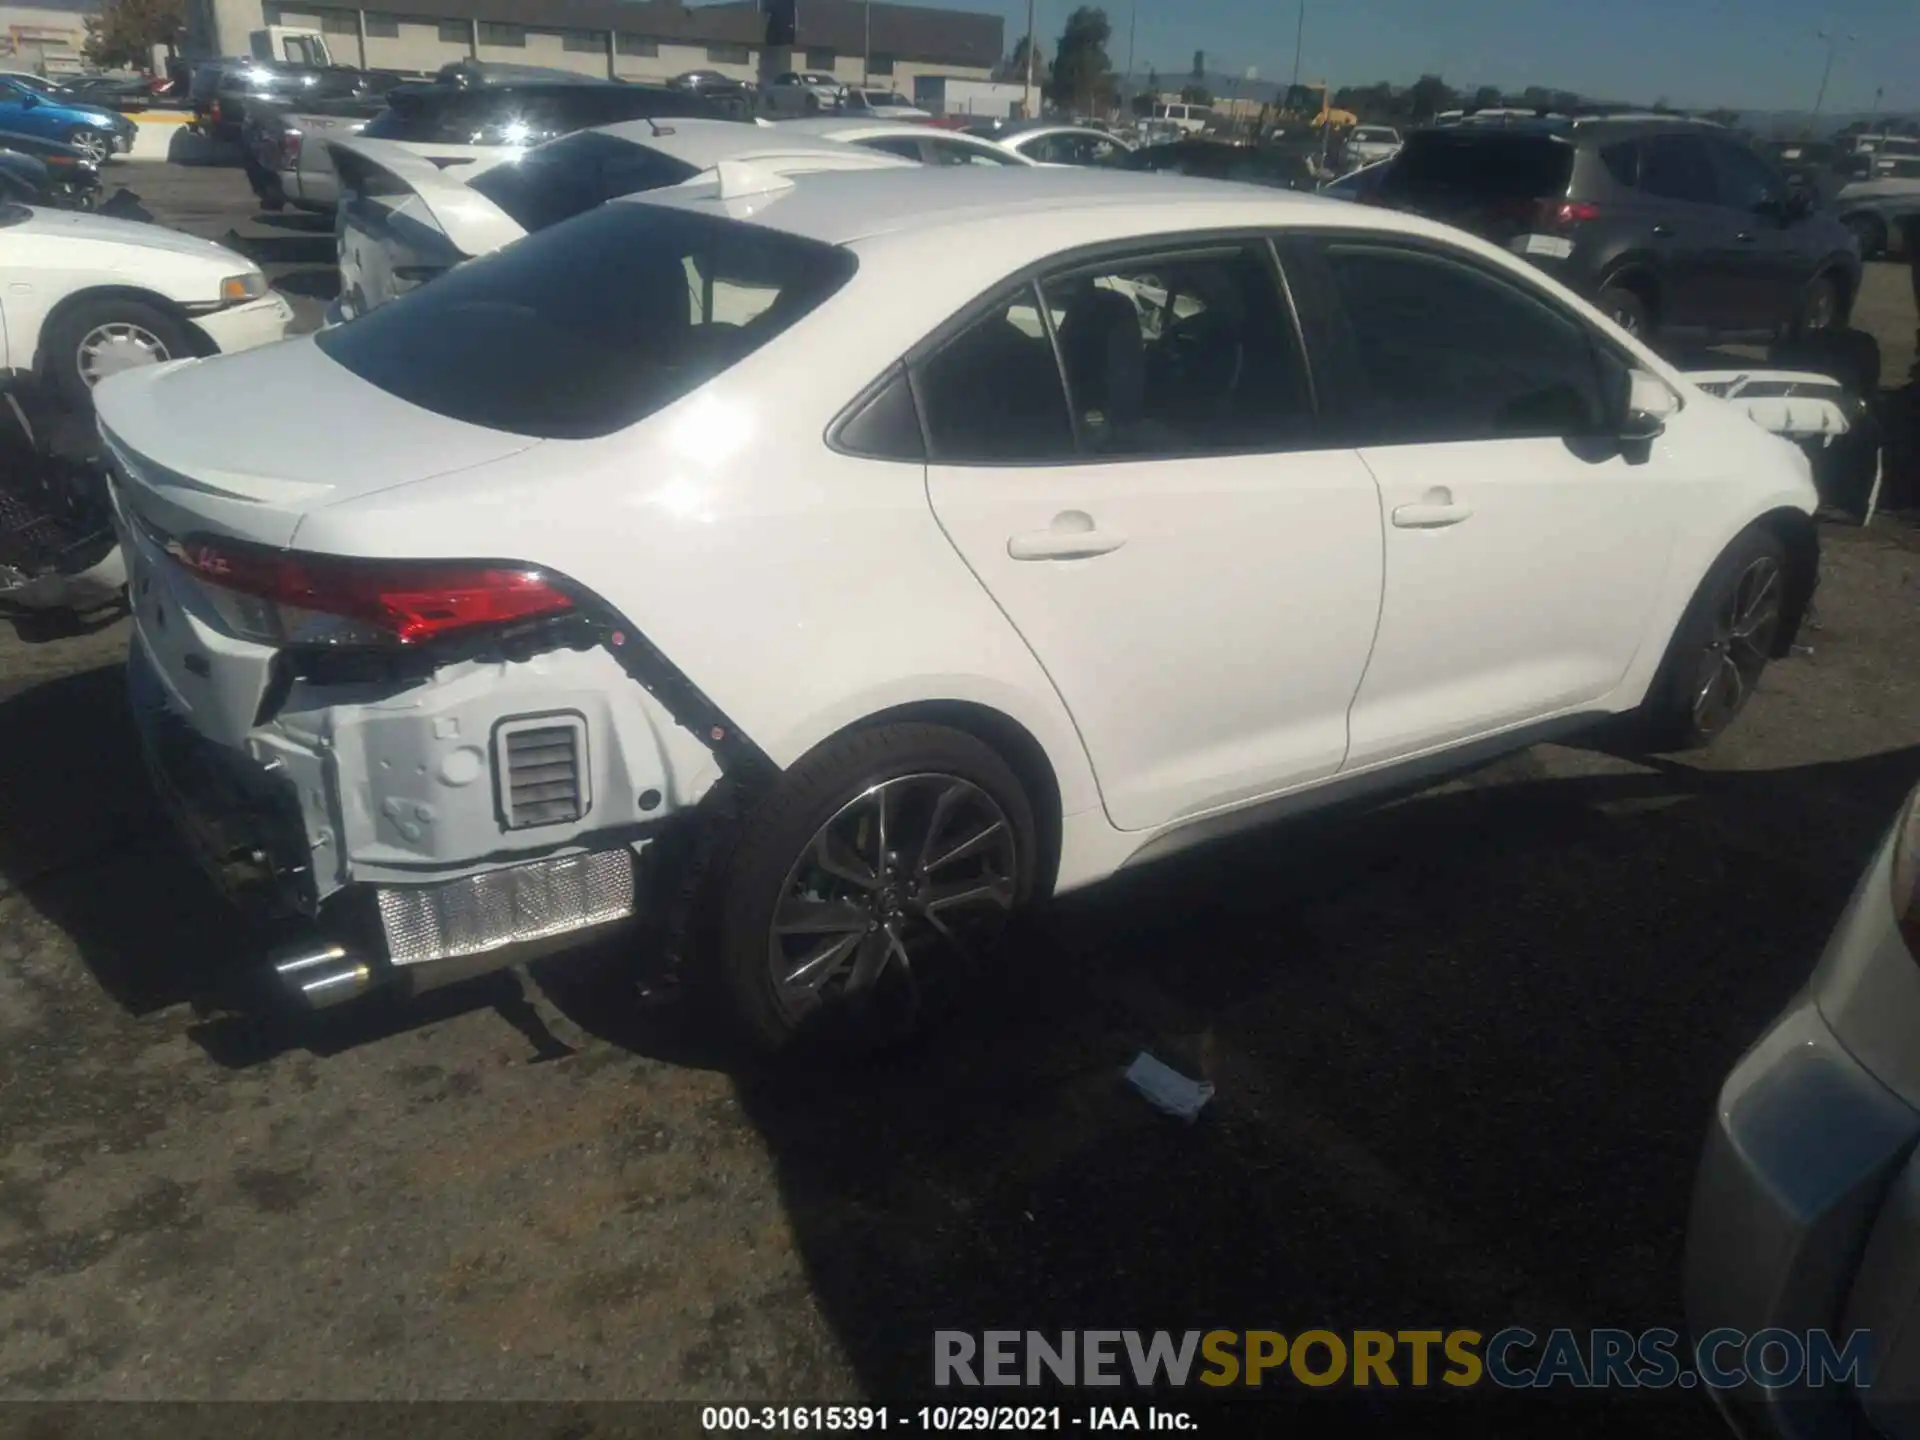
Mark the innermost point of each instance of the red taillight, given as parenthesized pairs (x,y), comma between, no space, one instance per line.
(1567,212)
(213,111)
(325,600)
(290,150)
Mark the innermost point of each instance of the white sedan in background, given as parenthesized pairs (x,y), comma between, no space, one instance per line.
(412,210)
(1045,143)
(926,144)
(828,566)
(83,297)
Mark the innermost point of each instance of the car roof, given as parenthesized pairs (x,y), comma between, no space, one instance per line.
(852,127)
(845,208)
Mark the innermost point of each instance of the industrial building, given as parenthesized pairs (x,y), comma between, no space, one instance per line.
(45,36)
(629,39)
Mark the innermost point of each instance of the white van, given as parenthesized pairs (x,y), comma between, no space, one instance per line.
(1190,118)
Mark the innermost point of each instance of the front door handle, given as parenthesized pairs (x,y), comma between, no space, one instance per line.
(1665,232)
(1071,536)
(1745,237)
(1435,511)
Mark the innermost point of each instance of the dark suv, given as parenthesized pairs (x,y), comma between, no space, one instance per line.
(1673,227)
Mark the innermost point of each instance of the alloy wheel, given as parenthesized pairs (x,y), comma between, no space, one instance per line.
(905,888)
(1821,308)
(1743,633)
(118,345)
(94,145)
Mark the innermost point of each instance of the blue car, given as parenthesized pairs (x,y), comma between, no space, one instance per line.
(93,129)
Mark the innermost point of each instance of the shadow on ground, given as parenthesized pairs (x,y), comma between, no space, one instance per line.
(1464,1048)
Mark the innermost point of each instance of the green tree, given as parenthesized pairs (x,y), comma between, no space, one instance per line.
(125,31)
(1197,95)
(1082,76)
(1487,97)
(1014,68)
(1429,96)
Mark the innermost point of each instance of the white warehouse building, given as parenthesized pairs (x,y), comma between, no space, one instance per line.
(627,39)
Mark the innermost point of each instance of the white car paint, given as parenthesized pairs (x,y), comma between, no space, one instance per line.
(1252,632)
(880,105)
(48,257)
(1370,144)
(905,139)
(427,210)
(1032,142)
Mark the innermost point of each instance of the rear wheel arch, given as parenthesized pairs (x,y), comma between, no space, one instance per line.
(1016,745)
(1637,277)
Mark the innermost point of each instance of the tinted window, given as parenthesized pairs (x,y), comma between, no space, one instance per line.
(585,328)
(566,177)
(1486,165)
(904,146)
(1448,352)
(1179,355)
(1622,159)
(993,392)
(955,152)
(1678,167)
(1746,181)
(885,425)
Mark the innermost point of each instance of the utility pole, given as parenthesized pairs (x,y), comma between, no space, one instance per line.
(866,46)
(1133,16)
(1033,111)
(1299,31)
(1833,43)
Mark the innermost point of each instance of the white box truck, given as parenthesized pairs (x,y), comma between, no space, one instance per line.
(951,95)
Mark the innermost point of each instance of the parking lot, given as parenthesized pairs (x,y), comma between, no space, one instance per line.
(1464,1050)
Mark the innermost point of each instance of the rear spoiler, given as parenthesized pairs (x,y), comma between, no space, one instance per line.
(438,176)
(1797,404)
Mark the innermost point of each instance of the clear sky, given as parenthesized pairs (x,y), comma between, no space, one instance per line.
(1745,54)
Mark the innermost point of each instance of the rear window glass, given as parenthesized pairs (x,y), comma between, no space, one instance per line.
(570,176)
(588,327)
(1497,166)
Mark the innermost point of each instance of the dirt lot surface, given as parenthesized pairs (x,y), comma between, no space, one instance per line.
(1465,1048)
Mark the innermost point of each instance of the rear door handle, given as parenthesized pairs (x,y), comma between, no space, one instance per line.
(1072,536)
(1665,232)
(1745,237)
(1431,515)
(1059,545)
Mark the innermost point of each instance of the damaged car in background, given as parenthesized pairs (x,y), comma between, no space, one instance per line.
(745,558)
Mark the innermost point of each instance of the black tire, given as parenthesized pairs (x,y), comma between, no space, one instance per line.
(97,143)
(1627,308)
(1672,718)
(778,835)
(1871,233)
(1819,310)
(60,343)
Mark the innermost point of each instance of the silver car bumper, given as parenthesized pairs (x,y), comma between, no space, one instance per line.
(1807,1152)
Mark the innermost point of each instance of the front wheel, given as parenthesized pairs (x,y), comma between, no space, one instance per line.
(1720,648)
(96,145)
(1626,309)
(1819,309)
(98,338)
(870,886)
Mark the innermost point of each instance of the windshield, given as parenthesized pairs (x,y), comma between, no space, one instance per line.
(567,177)
(586,328)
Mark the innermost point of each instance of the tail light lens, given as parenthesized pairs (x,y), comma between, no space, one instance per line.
(290,150)
(277,597)
(1906,875)
(1549,214)
(213,111)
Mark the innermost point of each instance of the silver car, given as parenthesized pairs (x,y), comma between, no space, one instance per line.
(1806,1213)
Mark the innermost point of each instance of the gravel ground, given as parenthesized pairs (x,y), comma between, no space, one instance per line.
(1464,1046)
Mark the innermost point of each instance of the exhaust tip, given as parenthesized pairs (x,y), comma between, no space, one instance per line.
(321,974)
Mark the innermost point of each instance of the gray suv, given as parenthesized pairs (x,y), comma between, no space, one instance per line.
(1673,227)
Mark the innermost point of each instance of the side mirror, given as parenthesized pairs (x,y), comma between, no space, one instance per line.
(1650,403)
(28,99)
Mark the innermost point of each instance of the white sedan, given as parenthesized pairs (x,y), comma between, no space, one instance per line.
(925,144)
(953,540)
(411,210)
(83,297)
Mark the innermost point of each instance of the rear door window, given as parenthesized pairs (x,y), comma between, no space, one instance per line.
(993,393)
(586,328)
(571,175)
(1678,167)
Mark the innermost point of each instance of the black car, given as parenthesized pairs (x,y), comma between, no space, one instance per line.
(507,112)
(1276,166)
(734,98)
(34,171)
(1672,227)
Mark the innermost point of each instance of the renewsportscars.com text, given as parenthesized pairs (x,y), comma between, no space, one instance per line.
(1513,1358)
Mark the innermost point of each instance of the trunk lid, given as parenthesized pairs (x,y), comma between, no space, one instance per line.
(1493,183)
(311,434)
(407,214)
